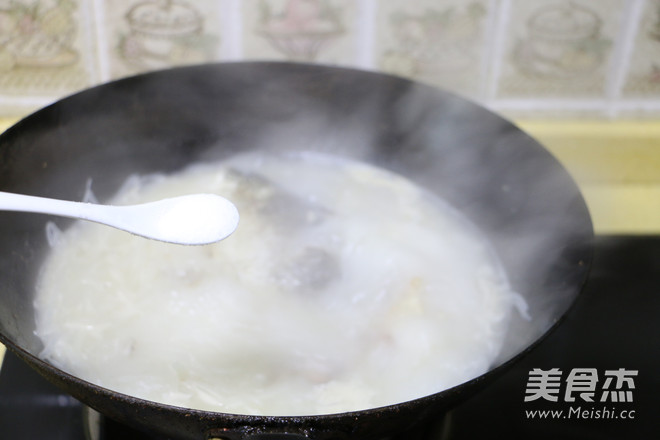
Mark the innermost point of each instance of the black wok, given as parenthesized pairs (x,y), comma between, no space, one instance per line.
(514,190)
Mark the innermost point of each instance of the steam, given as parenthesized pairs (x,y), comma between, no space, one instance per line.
(509,186)
(513,191)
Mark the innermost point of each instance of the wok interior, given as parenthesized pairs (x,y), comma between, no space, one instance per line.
(161,122)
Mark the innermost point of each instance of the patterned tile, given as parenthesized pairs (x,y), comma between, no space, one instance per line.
(300,30)
(44,51)
(143,35)
(535,58)
(643,79)
(437,42)
(559,48)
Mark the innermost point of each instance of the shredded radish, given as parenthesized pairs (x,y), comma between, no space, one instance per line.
(345,287)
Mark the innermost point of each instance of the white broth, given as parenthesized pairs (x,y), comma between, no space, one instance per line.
(345,287)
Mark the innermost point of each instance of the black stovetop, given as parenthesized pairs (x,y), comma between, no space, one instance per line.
(606,349)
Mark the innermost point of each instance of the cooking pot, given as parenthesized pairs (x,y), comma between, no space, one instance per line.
(491,171)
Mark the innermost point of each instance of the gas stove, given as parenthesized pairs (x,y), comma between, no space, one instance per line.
(594,377)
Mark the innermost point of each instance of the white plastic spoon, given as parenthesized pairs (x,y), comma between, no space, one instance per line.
(193,219)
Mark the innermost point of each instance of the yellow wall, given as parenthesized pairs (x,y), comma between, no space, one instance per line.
(616,165)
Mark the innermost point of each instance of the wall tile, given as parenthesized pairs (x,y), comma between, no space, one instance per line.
(437,42)
(142,35)
(300,30)
(535,58)
(643,79)
(44,51)
(559,49)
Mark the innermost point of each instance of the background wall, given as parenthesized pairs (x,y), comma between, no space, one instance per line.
(525,58)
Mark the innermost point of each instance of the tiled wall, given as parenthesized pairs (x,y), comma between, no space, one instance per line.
(525,58)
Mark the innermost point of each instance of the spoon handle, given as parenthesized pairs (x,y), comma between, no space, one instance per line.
(65,208)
